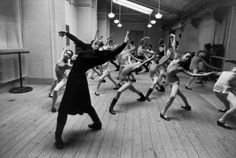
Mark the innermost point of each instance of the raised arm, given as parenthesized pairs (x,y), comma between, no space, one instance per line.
(197,75)
(146,61)
(78,42)
(210,65)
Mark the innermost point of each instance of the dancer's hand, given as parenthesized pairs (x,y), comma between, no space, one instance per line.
(126,37)
(62,33)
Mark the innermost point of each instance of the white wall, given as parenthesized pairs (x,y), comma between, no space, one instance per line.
(231,46)
(10,24)
(36,37)
(87,22)
(71,16)
(104,26)
(206,31)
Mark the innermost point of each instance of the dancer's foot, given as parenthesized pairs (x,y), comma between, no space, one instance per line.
(54,109)
(97,94)
(59,144)
(112,111)
(50,95)
(141,99)
(116,88)
(222,124)
(222,110)
(164,116)
(188,108)
(95,126)
(148,99)
(188,88)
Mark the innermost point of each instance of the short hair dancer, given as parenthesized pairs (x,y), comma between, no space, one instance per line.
(106,72)
(62,66)
(223,89)
(76,99)
(194,66)
(158,67)
(172,70)
(127,83)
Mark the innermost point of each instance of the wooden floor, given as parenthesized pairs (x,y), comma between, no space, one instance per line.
(28,126)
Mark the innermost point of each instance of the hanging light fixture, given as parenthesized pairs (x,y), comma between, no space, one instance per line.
(119,24)
(153,21)
(149,25)
(111,15)
(159,15)
(116,21)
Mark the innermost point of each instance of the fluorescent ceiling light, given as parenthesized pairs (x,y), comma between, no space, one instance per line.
(134,6)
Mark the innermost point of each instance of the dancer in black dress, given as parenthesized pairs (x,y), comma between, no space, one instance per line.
(76,98)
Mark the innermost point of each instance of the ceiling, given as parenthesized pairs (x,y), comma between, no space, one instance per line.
(173,10)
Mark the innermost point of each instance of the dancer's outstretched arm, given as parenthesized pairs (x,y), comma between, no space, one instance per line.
(198,75)
(81,44)
(141,64)
(210,65)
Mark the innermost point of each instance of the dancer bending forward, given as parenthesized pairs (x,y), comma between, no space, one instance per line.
(223,88)
(172,70)
(126,82)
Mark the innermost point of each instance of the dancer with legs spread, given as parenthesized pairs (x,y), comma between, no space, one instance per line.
(172,70)
(127,83)
(106,72)
(62,66)
(223,88)
(76,99)
(158,67)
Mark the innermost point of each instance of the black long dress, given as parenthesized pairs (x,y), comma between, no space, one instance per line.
(76,98)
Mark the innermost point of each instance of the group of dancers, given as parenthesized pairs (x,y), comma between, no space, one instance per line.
(163,67)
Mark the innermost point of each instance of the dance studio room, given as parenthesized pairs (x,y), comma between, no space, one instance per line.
(118,78)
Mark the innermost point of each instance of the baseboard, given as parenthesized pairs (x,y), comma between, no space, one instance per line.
(39,81)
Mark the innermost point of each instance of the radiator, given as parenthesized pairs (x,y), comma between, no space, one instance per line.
(9,67)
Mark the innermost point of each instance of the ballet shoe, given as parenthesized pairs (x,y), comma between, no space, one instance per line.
(95,126)
(59,144)
(188,108)
(148,99)
(112,111)
(222,110)
(141,99)
(188,88)
(116,88)
(222,124)
(54,109)
(164,116)
(50,95)
(97,94)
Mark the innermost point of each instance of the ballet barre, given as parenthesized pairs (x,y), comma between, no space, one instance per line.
(20,89)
